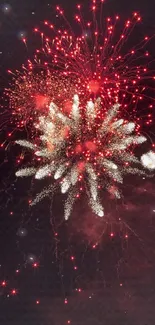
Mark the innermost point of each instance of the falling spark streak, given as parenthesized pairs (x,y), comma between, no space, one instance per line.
(90,154)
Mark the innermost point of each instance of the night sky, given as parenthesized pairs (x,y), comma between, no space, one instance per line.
(51,272)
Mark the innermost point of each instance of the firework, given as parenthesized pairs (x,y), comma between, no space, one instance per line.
(83,145)
(83,151)
(98,58)
(93,61)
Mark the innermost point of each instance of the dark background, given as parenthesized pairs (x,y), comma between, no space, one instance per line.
(46,260)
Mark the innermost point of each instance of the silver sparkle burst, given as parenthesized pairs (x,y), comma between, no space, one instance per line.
(105,154)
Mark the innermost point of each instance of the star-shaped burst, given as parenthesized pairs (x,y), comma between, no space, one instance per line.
(84,152)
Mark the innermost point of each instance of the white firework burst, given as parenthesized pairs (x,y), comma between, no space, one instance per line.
(82,151)
(148,160)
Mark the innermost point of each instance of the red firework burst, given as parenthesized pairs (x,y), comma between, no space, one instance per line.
(98,59)
(93,61)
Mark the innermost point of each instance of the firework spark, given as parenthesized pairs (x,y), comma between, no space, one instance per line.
(83,151)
